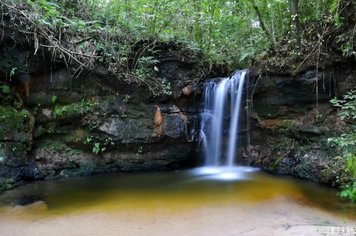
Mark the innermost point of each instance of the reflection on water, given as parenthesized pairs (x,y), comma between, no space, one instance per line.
(224,173)
(176,191)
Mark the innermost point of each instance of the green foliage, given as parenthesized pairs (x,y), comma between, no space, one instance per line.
(126,98)
(349,191)
(99,146)
(351,164)
(96,148)
(346,142)
(53,98)
(5,89)
(12,119)
(74,109)
(235,33)
(347,106)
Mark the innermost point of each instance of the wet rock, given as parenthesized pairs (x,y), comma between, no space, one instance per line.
(188,90)
(312,129)
(153,157)
(15,125)
(16,128)
(277,90)
(291,126)
(291,131)
(68,162)
(56,161)
(27,200)
(74,126)
(13,154)
(8,96)
(175,127)
(7,183)
(128,130)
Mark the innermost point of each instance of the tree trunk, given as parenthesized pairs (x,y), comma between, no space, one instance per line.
(262,24)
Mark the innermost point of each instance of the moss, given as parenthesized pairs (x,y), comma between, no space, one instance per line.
(299,109)
(9,97)
(275,164)
(265,111)
(17,124)
(284,143)
(17,149)
(55,144)
(75,109)
(58,144)
(13,154)
(43,129)
(287,125)
(282,146)
(6,183)
(135,113)
(14,119)
(77,135)
(281,125)
(5,89)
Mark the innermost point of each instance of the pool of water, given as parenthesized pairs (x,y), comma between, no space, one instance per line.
(175,191)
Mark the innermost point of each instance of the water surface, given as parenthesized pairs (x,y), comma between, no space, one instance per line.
(200,195)
(177,190)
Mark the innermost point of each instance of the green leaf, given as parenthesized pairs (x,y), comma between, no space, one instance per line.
(5,89)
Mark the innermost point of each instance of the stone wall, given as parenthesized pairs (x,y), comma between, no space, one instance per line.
(97,123)
(292,120)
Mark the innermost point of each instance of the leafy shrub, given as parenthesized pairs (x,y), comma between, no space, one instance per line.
(347,142)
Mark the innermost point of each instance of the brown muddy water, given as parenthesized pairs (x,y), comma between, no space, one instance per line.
(202,201)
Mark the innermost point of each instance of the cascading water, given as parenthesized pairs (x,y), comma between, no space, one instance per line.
(222,105)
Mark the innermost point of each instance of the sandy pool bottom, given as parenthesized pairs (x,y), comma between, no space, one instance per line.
(273,217)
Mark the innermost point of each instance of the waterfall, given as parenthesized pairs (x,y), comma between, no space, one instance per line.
(222,108)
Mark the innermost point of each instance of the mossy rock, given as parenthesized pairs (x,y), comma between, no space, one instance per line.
(311,129)
(15,125)
(134,113)
(6,183)
(43,129)
(287,125)
(13,154)
(56,144)
(281,125)
(76,136)
(62,112)
(266,111)
(127,130)
(74,169)
(9,97)
(13,164)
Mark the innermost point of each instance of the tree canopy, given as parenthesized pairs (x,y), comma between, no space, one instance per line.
(232,32)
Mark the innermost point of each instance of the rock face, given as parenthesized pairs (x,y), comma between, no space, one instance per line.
(292,120)
(16,126)
(97,123)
